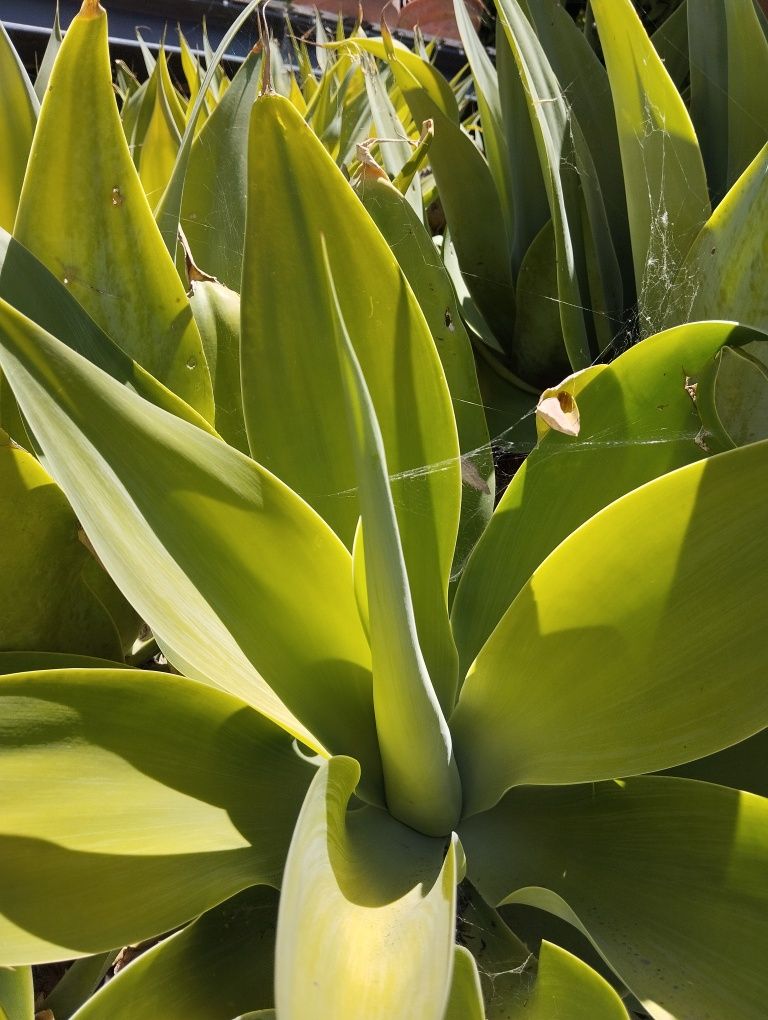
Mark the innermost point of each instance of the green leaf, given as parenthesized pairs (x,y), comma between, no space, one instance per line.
(732,397)
(49,57)
(529,194)
(466,1000)
(297,195)
(90,224)
(425,272)
(44,602)
(538,337)
(627,438)
(17,997)
(741,766)
(217,966)
(567,989)
(217,312)
(395,153)
(155,155)
(575,201)
(213,218)
(670,40)
(229,545)
(420,777)
(18,116)
(729,106)
(587,89)
(32,662)
(666,876)
(621,657)
(199,807)
(495,142)
(80,981)
(722,275)
(367,912)
(34,291)
(664,177)
(469,198)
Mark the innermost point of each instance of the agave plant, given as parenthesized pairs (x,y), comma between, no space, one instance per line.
(398,745)
(577,228)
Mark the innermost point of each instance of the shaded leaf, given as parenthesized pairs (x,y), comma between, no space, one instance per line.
(367,911)
(666,876)
(228,544)
(619,658)
(188,815)
(220,964)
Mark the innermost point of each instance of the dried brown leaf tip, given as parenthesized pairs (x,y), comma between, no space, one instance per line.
(558,410)
(91,9)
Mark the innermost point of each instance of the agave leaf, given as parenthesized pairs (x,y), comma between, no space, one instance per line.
(32,662)
(466,999)
(729,106)
(574,196)
(297,195)
(529,194)
(19,108)
(213,216)
(664,177)
(158,143)
(741,766)
(17,996)
(670,40)
(425,272)
(588,91)
(217,313)
(504,963)
(102,241)
(495,141)
(218,965)
(367,912)
(567,989)
(215,82)
(191,66)
(44,603)
(91,814)
(80,981)
(420,777)
(469,198)
(538,338)
(227,541)
(35,292)
(722,275)
(637,422)
(395,153)
(732,398)
(49,57)
(150,62)
(660,637)
(664,875)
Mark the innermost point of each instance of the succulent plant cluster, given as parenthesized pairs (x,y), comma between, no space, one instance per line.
(260,339)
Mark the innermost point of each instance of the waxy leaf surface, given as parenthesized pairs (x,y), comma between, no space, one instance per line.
(108,839)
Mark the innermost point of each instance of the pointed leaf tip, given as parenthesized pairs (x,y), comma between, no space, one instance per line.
(91,9)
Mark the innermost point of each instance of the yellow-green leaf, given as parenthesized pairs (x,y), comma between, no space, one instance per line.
(621,657)
(367,912)
(18,116)
(664,177)
(666,876)
(44,603)
(108,839)
(90,223)
(297,196)
(229,544)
